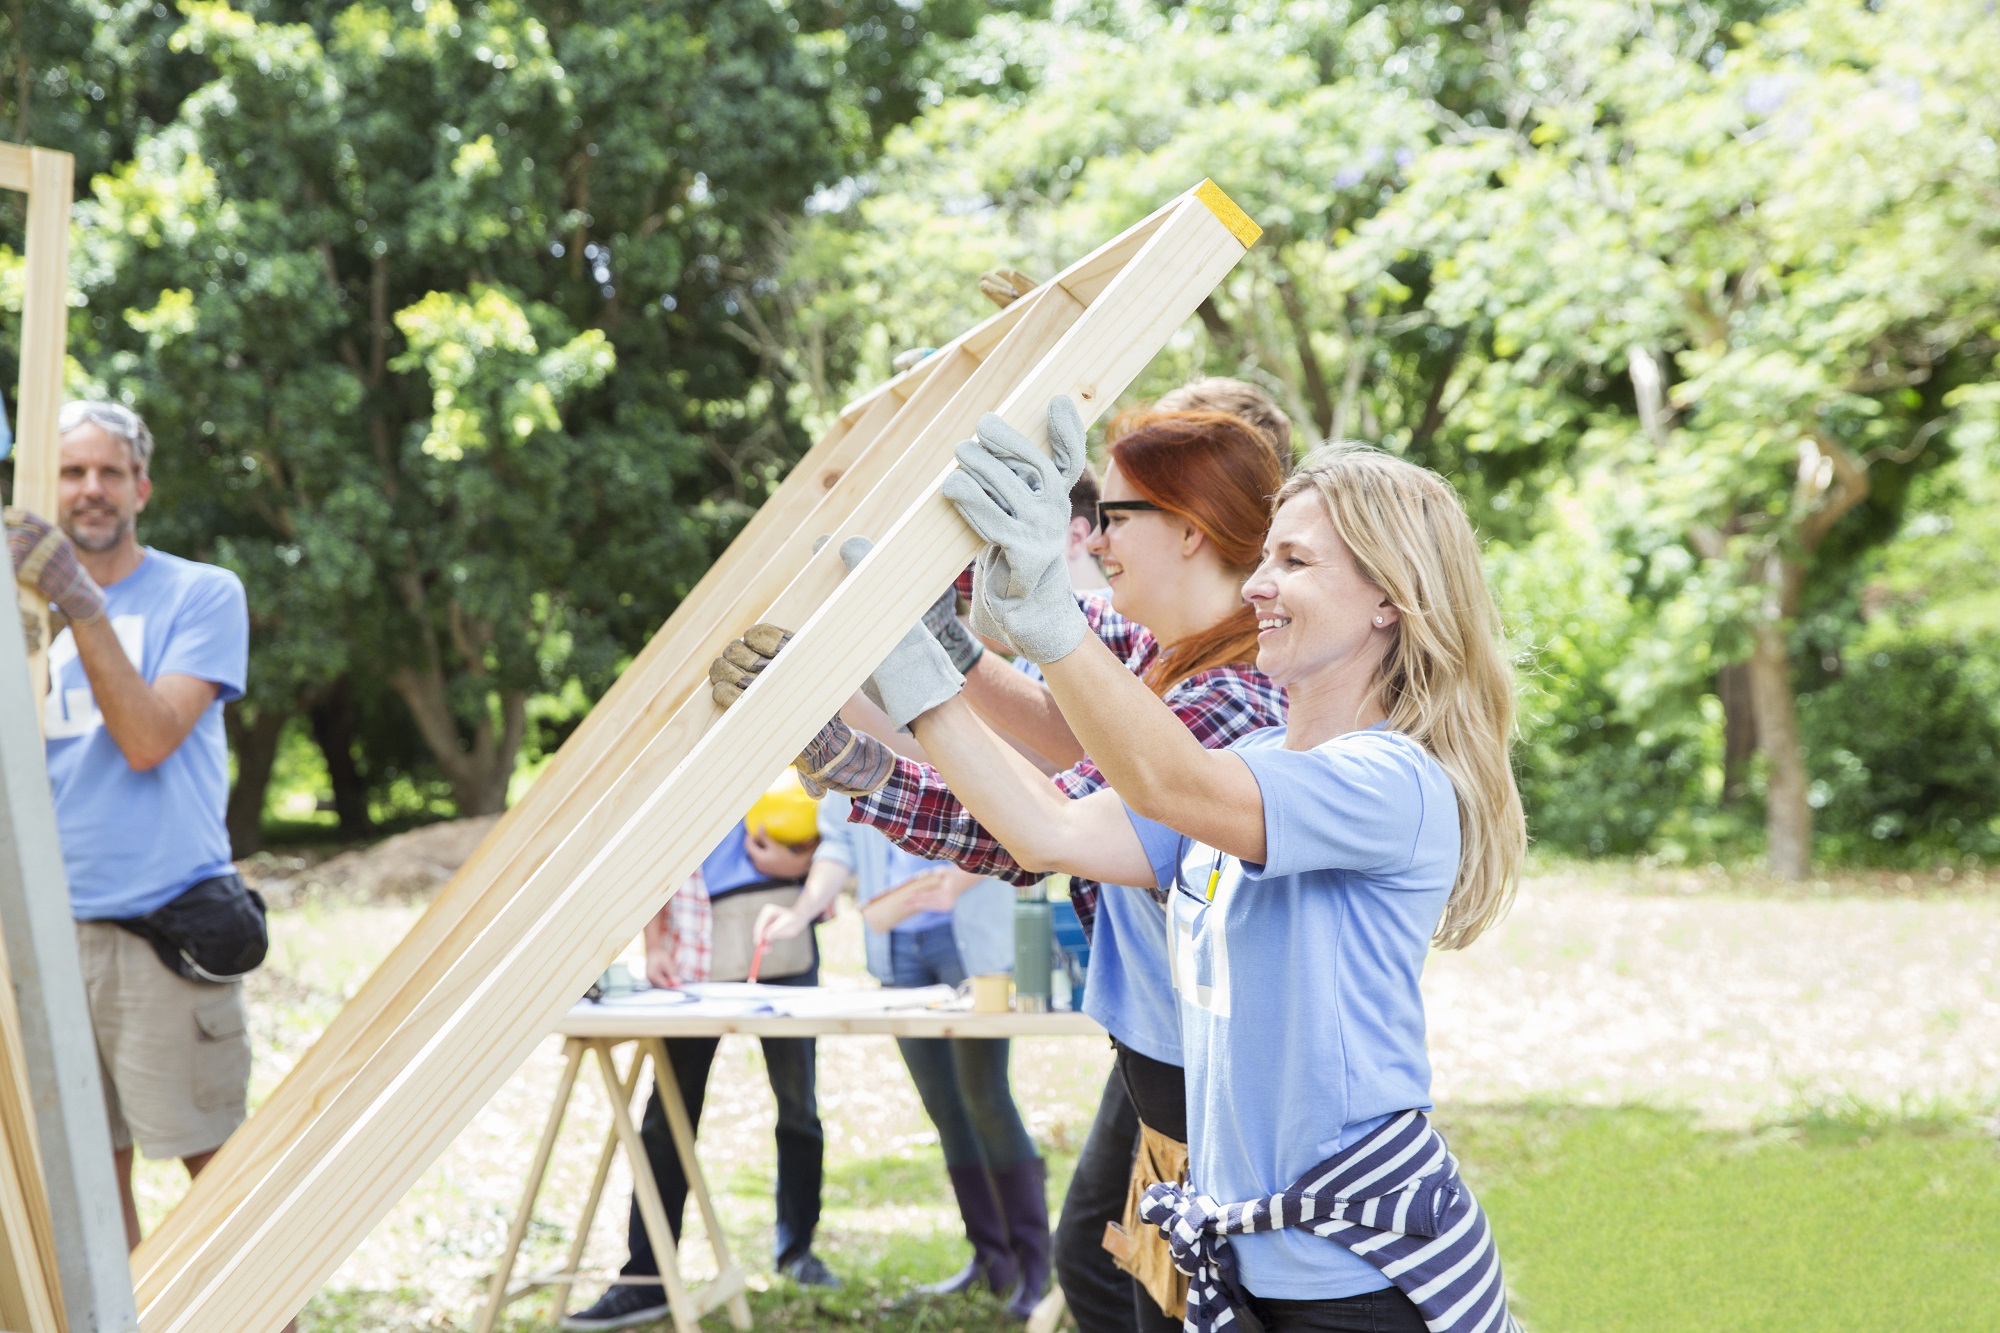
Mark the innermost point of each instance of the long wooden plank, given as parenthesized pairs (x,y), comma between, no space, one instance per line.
(503,993)
(47,178)
(30,1288)
(44,338)
(830,482)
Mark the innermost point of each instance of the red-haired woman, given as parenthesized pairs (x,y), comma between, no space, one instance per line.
(1186,500)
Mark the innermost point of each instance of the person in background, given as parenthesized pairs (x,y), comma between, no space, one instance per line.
(961,925)
(1239,398)
(149,648)
(679,952)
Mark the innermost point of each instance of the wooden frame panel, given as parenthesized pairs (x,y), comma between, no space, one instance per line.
(30,1285)
(413,1087)
(822,493)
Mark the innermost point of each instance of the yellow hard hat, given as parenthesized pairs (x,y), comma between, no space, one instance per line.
(785,812)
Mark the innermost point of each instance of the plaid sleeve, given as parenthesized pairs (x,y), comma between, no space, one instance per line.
(1131,641)
(920,815)
(690,930)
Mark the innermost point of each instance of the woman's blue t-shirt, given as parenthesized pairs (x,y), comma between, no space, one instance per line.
(1301,1017)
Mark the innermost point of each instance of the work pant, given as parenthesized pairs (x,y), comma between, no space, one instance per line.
(1384,1311)
(962,1081)
(790,1063)
(1102,1297)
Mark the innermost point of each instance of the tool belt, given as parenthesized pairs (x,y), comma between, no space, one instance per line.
(1138,1247)
(733,917)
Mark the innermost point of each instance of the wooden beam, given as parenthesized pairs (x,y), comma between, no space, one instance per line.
(30,1290)
(17,168)
(44,337)
(821,495)
(503,993)
(48,1014)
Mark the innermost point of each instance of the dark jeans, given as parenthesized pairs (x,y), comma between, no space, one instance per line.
(1102,1297)
(790,1063)
(1384,1311)
(962,1082)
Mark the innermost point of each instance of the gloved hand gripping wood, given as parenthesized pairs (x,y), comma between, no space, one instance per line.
(45,562)
(839,758)
(916,677)
(1017,498)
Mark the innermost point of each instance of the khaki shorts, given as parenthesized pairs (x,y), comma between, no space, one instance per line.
(174,1053)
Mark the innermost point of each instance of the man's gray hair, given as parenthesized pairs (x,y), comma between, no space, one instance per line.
(114,419)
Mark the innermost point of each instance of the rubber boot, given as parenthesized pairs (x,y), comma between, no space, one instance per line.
(992,1255)
(1024,1197)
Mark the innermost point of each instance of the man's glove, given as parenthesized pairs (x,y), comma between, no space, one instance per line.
(918,674)
(1017,498)
(45,562)
(945,626)
(1004,286)
(743,660)
(839,758)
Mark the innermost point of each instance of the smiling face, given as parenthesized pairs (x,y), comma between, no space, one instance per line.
(1140,552)
(1317,613)
(100,489)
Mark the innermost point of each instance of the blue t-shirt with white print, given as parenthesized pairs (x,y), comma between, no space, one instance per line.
(1301,1016)
(134,841)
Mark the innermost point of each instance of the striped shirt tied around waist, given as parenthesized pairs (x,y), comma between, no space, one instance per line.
(1394,1198)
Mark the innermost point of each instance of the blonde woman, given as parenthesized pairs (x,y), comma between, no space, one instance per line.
(1310,869)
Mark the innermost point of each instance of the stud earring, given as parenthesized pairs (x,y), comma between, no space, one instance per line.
(1381,621)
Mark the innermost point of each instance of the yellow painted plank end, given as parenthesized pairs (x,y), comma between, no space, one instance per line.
(1225,209)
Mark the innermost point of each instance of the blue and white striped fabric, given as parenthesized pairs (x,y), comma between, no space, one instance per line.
(1394,1198)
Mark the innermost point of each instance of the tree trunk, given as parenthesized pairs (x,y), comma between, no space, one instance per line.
(332,720)
(1739,730)
(255,744)
(479,771)
(1788,809)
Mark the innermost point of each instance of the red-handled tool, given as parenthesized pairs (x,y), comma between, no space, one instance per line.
(757,960)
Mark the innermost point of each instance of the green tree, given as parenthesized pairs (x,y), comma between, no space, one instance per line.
(1782,239)
(370,283)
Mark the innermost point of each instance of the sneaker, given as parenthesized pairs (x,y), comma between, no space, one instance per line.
(622,1307)
(808,1271)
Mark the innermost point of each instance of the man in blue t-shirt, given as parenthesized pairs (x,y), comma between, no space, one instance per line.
(149,649)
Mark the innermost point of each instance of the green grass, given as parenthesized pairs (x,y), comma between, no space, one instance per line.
(1612,1221)
(1609,1221)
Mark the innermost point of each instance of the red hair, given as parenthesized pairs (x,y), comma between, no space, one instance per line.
(1219,473)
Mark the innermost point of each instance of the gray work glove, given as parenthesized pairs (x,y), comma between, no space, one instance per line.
(918,674)
(838,758)
(1017,498)
(945,626)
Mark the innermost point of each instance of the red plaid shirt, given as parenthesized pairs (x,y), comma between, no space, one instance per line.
(920,814)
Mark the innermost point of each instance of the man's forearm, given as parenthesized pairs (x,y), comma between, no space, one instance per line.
(823,884)
(1022,709)
(147,723)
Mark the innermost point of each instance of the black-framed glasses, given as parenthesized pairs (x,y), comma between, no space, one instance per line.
(1113,505)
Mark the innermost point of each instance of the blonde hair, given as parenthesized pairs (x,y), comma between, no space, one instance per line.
(1445,680)
(1239,398)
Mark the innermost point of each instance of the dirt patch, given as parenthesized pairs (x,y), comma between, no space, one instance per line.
(398,869)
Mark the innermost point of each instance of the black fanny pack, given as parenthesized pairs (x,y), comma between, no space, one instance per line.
(214,931)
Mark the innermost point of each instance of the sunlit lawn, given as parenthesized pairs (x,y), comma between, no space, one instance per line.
(1611,1216)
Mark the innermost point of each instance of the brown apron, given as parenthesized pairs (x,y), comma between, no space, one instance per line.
(1138,1247)
(733,941)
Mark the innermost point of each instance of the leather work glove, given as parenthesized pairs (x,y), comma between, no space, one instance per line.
(1017,498)
(945,626)
(918,673)
(45,562)
(743,660)
(1004,286)
(838,758)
